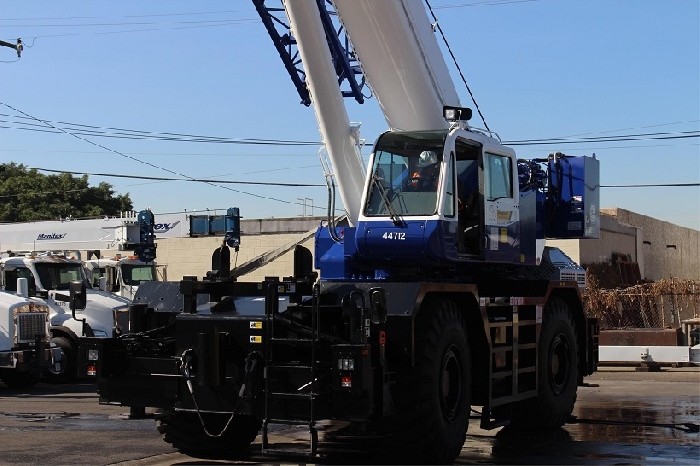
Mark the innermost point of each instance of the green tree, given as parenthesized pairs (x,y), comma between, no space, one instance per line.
(27,195)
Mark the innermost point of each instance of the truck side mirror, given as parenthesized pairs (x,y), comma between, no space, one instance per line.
(78,296)
(377,305)
(102,283)
(112,284)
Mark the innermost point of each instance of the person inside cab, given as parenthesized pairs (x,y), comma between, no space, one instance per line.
(426,173)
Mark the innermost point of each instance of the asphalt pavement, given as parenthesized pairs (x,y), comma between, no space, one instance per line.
(622,416)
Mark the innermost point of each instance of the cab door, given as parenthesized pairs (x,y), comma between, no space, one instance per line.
(501,213)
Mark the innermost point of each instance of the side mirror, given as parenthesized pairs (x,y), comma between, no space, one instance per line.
(112,284)
(78,296)
(377,305)
(102,283)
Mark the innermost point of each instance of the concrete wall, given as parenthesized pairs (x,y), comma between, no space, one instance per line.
(192,256)
(614,238)
(661,249)
(668,249)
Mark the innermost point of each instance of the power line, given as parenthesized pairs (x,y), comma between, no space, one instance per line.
(42,193)
(174,154)
(486,3)
(146,163)
(128,31)
(124,16)
(454,60)
(197,180)
(122,133)
(156,178)
(669,185)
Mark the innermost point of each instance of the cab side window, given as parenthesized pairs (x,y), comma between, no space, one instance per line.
(499,176)
(12,274)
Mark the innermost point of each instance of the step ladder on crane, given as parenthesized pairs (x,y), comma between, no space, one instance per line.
(280,363)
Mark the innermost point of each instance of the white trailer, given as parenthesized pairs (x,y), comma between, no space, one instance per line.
(106,234)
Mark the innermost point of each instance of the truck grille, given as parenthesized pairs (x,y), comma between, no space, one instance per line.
(30,324)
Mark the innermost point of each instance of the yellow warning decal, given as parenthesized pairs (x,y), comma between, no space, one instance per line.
(256,324)
(255,339)
(504,235)
(504,215)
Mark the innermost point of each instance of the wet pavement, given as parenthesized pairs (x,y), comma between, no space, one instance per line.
(621,417)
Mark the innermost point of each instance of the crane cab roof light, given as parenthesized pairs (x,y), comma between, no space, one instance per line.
(456,113)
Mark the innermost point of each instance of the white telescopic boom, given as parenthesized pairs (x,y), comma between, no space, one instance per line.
(331,115)
(401,59)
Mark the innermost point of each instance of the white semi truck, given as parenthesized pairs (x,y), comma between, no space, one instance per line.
(123,275)
(25,350)
(48,280)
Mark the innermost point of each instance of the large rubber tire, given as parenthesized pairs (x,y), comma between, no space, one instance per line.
(433,403)
(558,372)
(185,432)
(69,362)
(16,379)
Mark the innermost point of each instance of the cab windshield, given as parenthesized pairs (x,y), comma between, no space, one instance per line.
(135,274)
(57,276)
(405,174)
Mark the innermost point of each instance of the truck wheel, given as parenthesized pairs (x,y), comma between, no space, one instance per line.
(69,362)
(433,404)
(185,432)
(16,379)
(558,374)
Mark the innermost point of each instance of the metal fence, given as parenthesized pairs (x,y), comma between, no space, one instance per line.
(662,304)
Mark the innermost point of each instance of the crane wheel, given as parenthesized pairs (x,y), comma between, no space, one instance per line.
(433,402)
(558,375)
(185,432)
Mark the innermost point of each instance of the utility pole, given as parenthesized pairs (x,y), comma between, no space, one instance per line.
(18,46)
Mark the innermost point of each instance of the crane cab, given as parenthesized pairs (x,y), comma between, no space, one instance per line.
(435,196)
(443,199)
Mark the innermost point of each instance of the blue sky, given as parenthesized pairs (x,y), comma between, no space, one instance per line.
(538,69)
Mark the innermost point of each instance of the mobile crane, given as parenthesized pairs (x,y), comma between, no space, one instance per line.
(438,296)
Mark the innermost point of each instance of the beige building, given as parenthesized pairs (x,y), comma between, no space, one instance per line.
(192,256)
(661,249)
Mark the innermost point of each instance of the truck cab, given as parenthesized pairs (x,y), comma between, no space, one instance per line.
(48,280)
(123,275)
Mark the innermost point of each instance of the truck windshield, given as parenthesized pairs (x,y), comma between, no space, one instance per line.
(98,272)
(57,276)
(405,174)
(135,274)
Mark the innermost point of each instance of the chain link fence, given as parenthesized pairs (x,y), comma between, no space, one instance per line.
(661,304)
